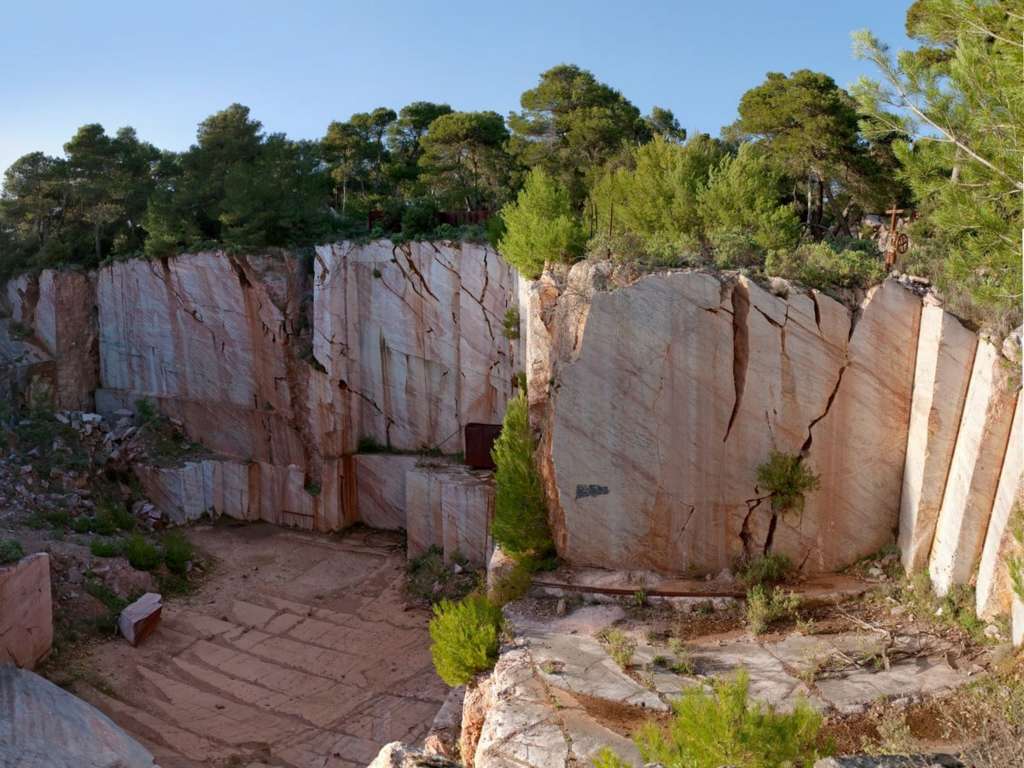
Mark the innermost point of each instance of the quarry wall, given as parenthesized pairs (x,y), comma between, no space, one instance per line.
(655,398)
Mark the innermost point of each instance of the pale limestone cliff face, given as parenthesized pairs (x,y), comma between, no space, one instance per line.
(669,391)
(279,367)
(657,397)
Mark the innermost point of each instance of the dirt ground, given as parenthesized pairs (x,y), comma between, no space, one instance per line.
(299,650)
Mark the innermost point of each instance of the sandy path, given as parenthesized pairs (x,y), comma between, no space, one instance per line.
(298,652)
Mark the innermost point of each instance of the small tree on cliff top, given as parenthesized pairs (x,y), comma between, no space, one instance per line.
(520,523)
(540,226)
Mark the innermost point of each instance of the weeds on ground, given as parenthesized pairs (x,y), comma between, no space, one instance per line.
(464,638)
(765,570)
(178,552)
(10,551)
(621,646)
(766,606)
(107,547)
(954,610)
(725,727)
(106,624)
(429,579)
(141,554)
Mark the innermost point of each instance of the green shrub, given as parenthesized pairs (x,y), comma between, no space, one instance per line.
(465,638)
(787,480)
(145,410)
(141,554)
(177,551)
(820,265)
(540,226)
(766,606)
(765,569)
(107,547)
(370,444)
(1015,563)
(10,551)
(520,524)
(510,324)
(513,585)
(83,524)
(724,727)
(112,516)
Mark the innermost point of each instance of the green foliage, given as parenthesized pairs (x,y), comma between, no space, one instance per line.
(957,108)
(141,554)
(654,197)
(514,584)
(742,212)
(787,480)
(570,124)
(10,551)
(621,646)
(510,324)
(430,579)
(540,226)
(765,570)
(725,727)
(520,525)
(177,551)
(464,638)
(107,547)
(820,265)
(1015,563)
(370,444)
(464,162)
(766,606)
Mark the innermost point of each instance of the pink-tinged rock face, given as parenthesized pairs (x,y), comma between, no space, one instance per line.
(669,392)
(26,611)
(449,507)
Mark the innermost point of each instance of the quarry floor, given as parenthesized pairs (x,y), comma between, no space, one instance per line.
(298,650)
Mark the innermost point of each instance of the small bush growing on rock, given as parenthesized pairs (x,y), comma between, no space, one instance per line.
(106,547)
(621,646)
(465,638)
(520,523)
(141,554)
(766,606)
(724,727)
(177,551)
(510,324)
(765,569)
(10,551)
(787,480)
(540,226)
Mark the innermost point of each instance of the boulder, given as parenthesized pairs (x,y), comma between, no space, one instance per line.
(44,726)
(945,351)
(398,755)
(974,471)
(26,611)
(140,619)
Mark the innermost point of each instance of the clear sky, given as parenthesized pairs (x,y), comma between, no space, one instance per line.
(164,66)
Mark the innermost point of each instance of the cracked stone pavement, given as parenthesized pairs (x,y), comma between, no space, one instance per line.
(298,652)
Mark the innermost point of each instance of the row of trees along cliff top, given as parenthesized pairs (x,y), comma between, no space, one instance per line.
(580,170)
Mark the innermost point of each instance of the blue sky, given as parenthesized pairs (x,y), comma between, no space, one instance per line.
(163,67)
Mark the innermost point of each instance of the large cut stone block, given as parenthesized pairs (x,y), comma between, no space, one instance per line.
(380,488)
(26,612)
(945,352)
(993,588)
(974,471)
(449,507)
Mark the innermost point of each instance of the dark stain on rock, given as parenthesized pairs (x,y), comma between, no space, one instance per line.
(584,491)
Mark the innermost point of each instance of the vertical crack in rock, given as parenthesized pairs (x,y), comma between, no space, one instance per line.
(817,309)
(746,535)
(414,269)
(482,297)
(770,537)
(740,348)
(828,406)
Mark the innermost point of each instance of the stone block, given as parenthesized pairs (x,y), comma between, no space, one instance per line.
(380,488)
(140,619)
(26,611)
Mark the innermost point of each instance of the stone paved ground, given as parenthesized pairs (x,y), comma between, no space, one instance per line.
(297,652)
